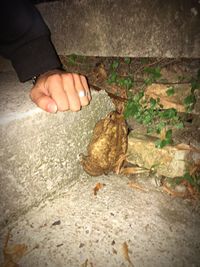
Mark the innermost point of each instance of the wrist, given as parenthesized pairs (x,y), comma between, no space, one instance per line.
(34,79)
(47,73)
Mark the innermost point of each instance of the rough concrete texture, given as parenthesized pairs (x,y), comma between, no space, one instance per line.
(139,28)
(39,152)
(38,171)
(159,230)
(170,161)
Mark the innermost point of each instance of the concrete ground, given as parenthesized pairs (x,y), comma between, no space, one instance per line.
(74,226)
(69,225)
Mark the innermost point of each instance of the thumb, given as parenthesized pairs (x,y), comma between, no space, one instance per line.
(43,101)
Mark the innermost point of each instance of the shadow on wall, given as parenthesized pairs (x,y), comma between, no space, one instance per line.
(42,1)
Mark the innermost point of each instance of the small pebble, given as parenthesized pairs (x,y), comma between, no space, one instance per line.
(56,223)
(180,188)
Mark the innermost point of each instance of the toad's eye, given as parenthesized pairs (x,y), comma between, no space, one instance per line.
(112,117)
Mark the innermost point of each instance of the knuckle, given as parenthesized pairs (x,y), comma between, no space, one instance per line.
(54,77)
(67,76)
(83,77)
(76,76)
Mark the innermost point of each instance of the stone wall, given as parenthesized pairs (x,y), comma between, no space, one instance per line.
(139,28)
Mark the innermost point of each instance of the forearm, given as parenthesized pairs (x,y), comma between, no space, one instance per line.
(25,39)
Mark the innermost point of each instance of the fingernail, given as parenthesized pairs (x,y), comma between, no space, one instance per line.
(52,108)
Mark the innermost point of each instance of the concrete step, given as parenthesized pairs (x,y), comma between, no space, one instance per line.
(48,202)
(39,152)
(139,28)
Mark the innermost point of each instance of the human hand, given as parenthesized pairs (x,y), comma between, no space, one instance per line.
(60,91)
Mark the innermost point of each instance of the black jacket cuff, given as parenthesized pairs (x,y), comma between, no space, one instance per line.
(34,58)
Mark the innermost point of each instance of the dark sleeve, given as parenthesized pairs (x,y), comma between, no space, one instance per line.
(25,39)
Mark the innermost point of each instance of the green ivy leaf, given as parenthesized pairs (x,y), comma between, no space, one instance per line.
(127,60)
(178,180)
(147,119)
(150,130)
(128,83)
(148,112)
(153,72)
(168,135)
(189,100)
(153,102)
(72,59)
(161,143)
(112,77)
(115,64)
(180,125)
(138,96)
(125,82)
(144,60)
(189,178)
(160,126)
(170,91)
(169,113)
(131,109)
(148,81)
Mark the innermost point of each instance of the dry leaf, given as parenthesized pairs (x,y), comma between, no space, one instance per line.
(187,147)
(136,186)
(163,134)
(85,264)
(10,264)
(114,251)
(126,253)
(133,170)
(97,187)
(102,71)
(175,101)
(191,192)
(172,192)
(194,168)
(119,163)
(13,254)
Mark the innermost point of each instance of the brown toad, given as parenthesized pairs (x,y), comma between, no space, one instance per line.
(108,145)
